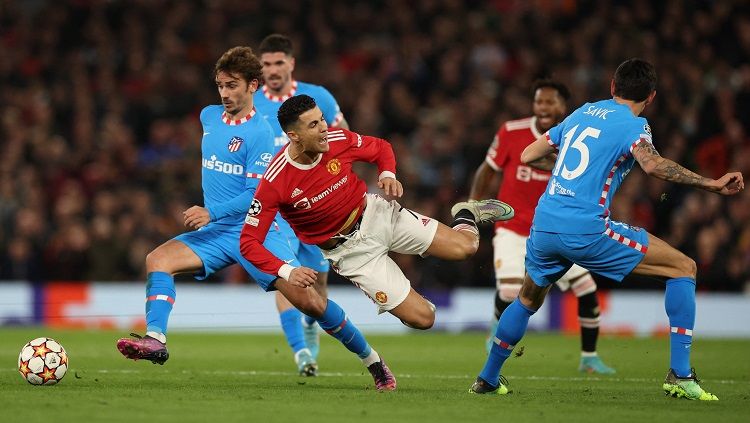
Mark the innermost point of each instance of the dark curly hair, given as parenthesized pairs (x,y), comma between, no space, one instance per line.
(276,43)
(635,80)
(290,110)
(561,89)
(240,61)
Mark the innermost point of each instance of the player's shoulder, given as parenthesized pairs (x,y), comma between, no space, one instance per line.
(278,163)
(518,124)
(211,112)
(318,92)
(341,134)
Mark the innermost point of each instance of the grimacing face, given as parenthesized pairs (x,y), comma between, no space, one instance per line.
(277,69)
(311,132)
(236,94)
(549,108)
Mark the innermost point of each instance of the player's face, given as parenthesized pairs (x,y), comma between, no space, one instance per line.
(277,70)
(549,108)
(312,131)
(236,94)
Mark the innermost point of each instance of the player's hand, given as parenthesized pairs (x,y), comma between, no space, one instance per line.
(303,277)
(729,184)
(196,217)
(391,187)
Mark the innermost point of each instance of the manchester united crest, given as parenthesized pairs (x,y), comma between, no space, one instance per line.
(381,297)
(333,166)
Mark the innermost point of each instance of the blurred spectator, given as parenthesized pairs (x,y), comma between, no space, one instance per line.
(101,140)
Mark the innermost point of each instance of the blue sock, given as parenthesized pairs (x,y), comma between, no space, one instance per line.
(160,295)
(309,320)
(291,324)
(679,301)
(334,322)
(510,330)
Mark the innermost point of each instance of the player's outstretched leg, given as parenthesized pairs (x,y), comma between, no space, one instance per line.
(160,296)
(291,324)
(335,322)
(332,319)
(510,330)
(484,211)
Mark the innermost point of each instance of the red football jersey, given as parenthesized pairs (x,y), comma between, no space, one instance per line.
(316,199)
(522,185)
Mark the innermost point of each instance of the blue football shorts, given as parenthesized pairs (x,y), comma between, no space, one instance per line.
(308,255)
(613,253)
(218,246)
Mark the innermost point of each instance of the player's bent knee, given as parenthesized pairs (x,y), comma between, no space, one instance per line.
(157,260)
(422,322)
(687,266)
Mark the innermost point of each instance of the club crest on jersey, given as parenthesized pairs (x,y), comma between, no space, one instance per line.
(333,166)
(255,208)
(234,144)
(381,297)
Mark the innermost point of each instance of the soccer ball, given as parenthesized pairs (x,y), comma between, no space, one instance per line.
(43,361)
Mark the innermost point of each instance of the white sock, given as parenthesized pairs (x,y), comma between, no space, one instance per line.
(585,354)
(372,358)
(160,336)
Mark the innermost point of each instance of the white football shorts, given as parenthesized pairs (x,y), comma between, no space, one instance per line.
(363,258)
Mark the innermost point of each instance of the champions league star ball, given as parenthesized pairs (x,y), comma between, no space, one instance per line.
(43,361)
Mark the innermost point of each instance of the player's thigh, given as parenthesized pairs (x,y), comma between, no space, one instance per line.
(376,274)
(279,245)
(663,260)
(415,311)
(544,263)
(509,253)
(306,300)
(311,256)
(410,232)
(612,254)
(575,277)
(173,257)
(211,249)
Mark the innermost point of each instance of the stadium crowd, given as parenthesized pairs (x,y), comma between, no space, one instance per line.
(99,106)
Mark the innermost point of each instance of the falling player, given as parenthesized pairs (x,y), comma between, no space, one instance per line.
(312,184)
(277,56)
(236,150)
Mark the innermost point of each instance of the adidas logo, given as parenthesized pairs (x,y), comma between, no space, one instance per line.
(296,192)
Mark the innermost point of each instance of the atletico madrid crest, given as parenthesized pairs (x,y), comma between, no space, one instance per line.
(333,166)
(234,144)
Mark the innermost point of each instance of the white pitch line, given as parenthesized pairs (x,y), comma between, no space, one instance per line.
(398,375)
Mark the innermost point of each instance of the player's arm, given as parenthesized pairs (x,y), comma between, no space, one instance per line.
(260,215)
(545,163)
(539,153)
(378,151)
(659,167)
(483,179)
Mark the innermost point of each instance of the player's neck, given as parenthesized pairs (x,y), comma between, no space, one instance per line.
(302,157)
(284,90)
(635,107)
(240,114)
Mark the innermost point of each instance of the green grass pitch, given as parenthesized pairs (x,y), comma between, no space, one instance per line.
(251,378)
